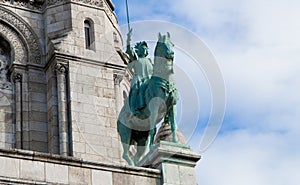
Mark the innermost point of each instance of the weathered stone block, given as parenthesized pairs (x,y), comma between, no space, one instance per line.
(38,126)
(56,26)
(38,87)
(187,175)
(171,173)
(108,93)
(95,129)
(78,176)
(110,112)
(138,180)
(79,147)
(39,97)
(9,167)
(38,116)
(113,152)
(32,170)
(38,106)
(38,136)
(89,108)
(96,150)
(121,179)
(57,173)
(101,177)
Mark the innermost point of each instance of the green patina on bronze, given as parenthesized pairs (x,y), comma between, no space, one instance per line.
(153,97)
(143,70)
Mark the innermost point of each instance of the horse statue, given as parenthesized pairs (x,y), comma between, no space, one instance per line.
(160,96)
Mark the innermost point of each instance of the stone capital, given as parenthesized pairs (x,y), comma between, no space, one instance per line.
(17,77)
(117,79)
(61,68)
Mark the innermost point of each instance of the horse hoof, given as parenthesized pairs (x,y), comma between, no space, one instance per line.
(129,160)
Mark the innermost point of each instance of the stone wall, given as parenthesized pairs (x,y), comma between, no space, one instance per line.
(25,167)
(35,111)
(25,123)
(65,97)
(40,110)
(83,95)
(93,110)
(7,130)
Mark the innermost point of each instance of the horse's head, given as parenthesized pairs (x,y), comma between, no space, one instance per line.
(164,55)
(164,47)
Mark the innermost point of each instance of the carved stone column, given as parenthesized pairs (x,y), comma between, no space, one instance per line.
(17,78)
(61,70)
(119,103)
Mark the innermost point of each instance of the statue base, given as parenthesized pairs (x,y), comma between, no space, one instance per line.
(176,162)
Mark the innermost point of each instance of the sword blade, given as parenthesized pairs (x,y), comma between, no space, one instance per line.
(127,11)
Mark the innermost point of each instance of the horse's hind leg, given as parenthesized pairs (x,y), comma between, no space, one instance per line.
(141,148)
(125,155)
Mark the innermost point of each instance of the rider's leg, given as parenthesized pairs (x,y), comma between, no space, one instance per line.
(133,100)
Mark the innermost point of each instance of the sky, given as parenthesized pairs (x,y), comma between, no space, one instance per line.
(256,45)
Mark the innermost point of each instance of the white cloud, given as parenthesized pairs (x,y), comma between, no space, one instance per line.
(261,72)
(247,158)
(257,45)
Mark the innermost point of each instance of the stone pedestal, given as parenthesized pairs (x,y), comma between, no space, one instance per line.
(176,162)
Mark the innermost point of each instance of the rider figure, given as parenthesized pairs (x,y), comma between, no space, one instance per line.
(143,70)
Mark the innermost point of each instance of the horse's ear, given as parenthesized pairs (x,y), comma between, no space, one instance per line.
(159,36)
(168,35)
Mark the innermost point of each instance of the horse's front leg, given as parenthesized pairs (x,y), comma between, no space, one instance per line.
(154,106)
(125,135)
(172,119)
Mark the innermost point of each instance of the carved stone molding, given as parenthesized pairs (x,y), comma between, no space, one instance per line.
(17,77)
(26,32)
(5,83)
(111,15)
(108,7)
(14,40)
(97,3)
(5,86)
(30,4)
(61,68)
(53,2)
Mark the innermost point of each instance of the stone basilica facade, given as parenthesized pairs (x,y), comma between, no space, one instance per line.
(63,80)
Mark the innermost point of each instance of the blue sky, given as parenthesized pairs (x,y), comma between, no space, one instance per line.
(256,44)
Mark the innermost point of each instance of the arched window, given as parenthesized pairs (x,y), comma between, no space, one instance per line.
(89,35)
(5,52)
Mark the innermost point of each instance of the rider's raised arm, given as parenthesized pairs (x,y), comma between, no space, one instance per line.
(129,50)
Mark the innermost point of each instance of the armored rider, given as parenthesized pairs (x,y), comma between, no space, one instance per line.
(143,70)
